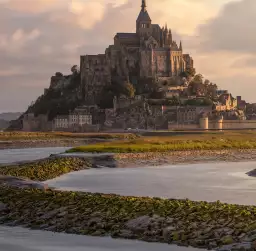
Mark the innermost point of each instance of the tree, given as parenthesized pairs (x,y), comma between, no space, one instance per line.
(75,69)
(207,82)
(188,73)
(128,90)
(107,97)
(198,78)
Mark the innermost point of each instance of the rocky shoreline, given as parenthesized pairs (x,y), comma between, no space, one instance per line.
(181,222)
(58,164)
(184,157)
(29,203)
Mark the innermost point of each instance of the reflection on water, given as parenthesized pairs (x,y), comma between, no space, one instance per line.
(19,239)
(208,182)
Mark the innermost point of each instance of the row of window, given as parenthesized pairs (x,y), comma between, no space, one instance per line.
(145,25)
(74,119)
(187,116)
(96,62)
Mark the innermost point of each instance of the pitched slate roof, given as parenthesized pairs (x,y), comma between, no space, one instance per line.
(126,35)
(143,16)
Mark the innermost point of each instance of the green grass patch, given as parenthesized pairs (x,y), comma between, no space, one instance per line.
(165,145)
(63,135)
(45,169)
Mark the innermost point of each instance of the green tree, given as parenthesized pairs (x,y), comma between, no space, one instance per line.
(128,90)
(189,73)
(198,78)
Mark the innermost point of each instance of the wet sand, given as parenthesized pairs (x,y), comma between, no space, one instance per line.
(19,239)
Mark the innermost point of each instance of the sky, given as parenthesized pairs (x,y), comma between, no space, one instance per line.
(41,37)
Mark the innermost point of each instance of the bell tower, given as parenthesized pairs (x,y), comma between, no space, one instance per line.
(143,22)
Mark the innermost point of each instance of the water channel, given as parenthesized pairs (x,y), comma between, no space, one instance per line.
(222,181)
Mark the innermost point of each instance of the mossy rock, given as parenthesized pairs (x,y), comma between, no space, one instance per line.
(46,169)
(226,240)
(76,209)
(251,227)
(175,236)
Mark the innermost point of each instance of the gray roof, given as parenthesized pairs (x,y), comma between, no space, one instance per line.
(126,35)
(143,16)
(162,49)
(156,26)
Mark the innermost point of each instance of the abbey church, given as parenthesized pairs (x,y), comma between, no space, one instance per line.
(148,54)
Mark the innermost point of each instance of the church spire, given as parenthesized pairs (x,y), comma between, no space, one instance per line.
(143,5)
(170,37)
(166,29)
(180,46)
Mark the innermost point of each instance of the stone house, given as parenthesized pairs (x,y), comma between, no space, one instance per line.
(31,123)
(61,122)
(228,101)
(191,114)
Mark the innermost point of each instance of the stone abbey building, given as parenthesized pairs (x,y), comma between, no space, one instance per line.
(149,54)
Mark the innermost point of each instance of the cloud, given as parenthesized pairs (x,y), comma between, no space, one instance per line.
(41,37)
(224,48)
(31,6)
(232,30)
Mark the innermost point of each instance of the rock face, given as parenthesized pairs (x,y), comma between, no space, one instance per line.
(21,183)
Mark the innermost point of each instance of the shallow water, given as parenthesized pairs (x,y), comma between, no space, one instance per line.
(15,155)
(226,182)
(223,181)
(19,239)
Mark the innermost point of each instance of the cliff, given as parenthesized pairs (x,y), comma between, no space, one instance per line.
(62,96)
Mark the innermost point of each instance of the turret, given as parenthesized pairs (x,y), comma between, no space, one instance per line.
(170,37)
(162,36)
(166,36)
(143,5)
(180,48)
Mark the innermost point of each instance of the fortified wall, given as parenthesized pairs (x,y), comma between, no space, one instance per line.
(215,124)
(222,124)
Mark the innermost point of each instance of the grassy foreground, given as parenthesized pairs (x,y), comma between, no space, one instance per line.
(62,135)
(45,169)
(198,224)
(166,144)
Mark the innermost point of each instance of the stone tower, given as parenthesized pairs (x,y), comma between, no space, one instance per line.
(143,22)
(142,56)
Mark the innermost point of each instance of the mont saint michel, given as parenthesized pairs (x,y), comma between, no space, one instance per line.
(149,53)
